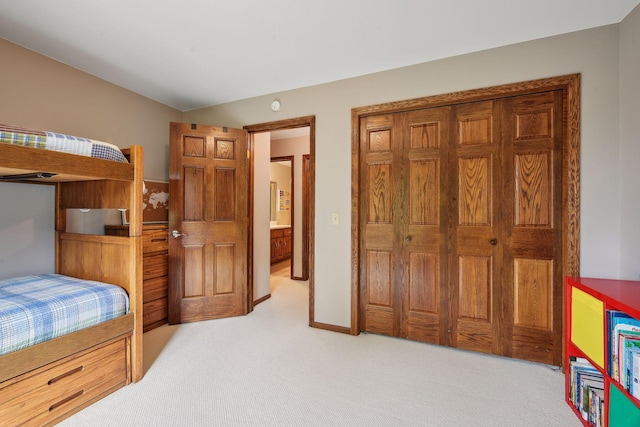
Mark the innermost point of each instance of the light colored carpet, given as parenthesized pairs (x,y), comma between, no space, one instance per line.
(270,369)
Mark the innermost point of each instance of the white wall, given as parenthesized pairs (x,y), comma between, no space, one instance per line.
(629,173)
(593,53)
(261,215)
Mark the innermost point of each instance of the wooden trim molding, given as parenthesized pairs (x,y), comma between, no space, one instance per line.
(263,299)
(570,86)
(332,328)
(306,158)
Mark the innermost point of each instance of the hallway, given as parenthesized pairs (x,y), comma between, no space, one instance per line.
(279,271)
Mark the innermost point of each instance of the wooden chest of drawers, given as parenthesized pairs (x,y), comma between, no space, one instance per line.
(155,246)
(48,394)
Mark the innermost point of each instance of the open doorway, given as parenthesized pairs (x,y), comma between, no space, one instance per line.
(288,139)
(282,213)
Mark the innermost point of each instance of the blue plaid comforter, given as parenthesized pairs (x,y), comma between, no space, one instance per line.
(38,308)
(60,142)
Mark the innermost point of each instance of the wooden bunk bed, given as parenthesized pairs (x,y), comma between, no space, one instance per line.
(49,381)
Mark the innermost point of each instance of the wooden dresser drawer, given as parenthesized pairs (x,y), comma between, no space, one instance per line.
(155,247)
(155,288)
(277,232)
(155,241)
(155,313)
(44,395)
(154,266)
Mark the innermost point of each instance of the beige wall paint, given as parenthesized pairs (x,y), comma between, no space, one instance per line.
(41,93)
(593,53)
(629,174)
(26,230)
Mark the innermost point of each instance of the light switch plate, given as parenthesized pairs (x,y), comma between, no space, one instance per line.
(335,218)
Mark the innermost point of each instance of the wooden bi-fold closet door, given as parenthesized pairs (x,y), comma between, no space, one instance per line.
(460,208)
(403,220)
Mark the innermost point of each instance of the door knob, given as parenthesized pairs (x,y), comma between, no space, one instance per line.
(493,241)
(175,234)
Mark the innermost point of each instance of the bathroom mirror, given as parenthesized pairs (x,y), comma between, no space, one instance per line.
(274,200)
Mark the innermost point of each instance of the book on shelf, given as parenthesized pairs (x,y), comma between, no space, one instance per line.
(596,407)
(577,367)
(634,373)
(590,384)
(618,323)
(587,390)
(626,342)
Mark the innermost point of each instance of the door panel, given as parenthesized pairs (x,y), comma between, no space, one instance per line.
(379,312)
(532,129)
(193,190)
(424,298)
(422,229)
(533,181)
(474,326)
(224,203)
(533,294)
(194,258)
(377,292)
(475,253)
(209,208)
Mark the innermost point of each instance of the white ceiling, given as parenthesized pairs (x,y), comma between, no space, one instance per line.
(195,53)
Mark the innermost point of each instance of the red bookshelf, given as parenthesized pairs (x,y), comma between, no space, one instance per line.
(587,338)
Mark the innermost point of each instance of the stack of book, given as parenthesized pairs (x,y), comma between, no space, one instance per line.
(587,390)
(623,339)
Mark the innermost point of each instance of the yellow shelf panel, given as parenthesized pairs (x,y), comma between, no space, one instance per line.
(587,325)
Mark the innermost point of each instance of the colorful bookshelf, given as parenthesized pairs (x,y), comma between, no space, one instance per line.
(600,319)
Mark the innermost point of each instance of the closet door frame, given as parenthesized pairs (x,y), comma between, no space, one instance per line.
(570,87)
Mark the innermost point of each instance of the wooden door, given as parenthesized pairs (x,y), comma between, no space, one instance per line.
(532,132)
(506,257)
(476,229)
(378,300)
(461,217)
(404,275)
(209,214)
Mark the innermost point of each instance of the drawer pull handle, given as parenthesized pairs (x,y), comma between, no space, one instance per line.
(161,239)
(66,374)
(65,400)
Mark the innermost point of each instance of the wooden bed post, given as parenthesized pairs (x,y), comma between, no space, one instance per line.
(135,235)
